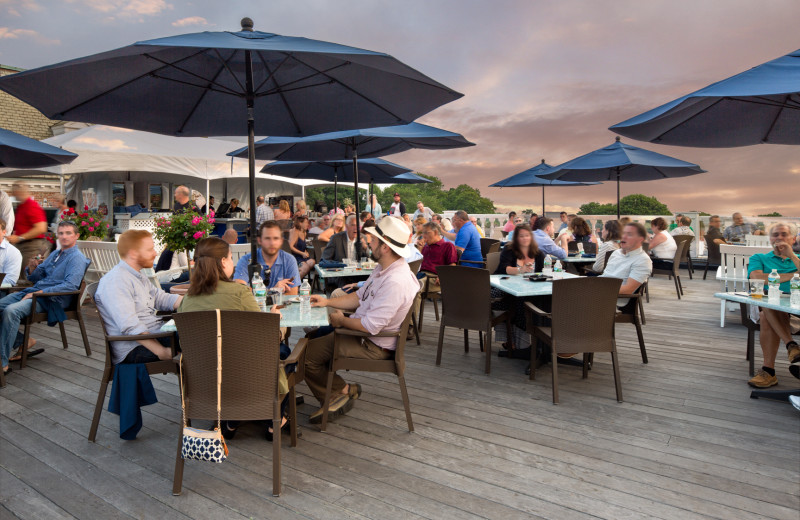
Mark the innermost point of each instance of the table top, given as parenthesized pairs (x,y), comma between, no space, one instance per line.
(741,297)
(579,259)
(520,286)
(290,317)
(344,271)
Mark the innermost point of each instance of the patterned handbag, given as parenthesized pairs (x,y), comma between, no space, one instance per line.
(204,444)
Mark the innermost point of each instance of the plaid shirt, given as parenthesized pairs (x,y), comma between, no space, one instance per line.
(264,213)
(737,233)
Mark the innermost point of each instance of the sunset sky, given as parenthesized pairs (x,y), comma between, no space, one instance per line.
(542,79)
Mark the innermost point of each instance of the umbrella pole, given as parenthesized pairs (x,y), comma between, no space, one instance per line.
(355,183)
(251,159)
(542,199)
(618,193)
(335,191)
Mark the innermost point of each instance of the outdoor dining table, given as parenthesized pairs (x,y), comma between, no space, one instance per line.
(342,271)
(744,299)
(291,316)
(521,286)
(571,262)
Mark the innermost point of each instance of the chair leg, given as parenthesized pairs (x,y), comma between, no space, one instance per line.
(63,335)
(26,334)
(722,314)
(689,267)
(680,285)
(436,308)
(751,340)
(585,365)
(276,448)
(421,312)
(480,340)
(406,403)
(2,379)
(441,341)
(554,363)
(177,479)
(617,381)
(292,417)
(705,271)
(488,347)
(98,408)
(533,358)
(677,289)
(641,340)
(414,324)
(647,291)
(84,336)
(641,311)
(328,392)
(466,340)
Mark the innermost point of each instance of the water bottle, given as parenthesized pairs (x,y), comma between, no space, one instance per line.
(558,270)
(259,291)
(794,285)
(774,282)
(547,270)
(305,297)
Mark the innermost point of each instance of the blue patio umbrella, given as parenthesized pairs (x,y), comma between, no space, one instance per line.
(232,83)
(352,144)
(18,151)
(761,105)
(530,177)
(621,162)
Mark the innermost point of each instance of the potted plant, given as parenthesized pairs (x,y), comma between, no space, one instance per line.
(91,225)
(182,231)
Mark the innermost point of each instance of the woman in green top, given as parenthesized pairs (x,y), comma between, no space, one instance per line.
(211,288)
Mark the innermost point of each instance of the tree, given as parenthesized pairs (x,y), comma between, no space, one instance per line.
(636,204)
(773,214)
(434,196)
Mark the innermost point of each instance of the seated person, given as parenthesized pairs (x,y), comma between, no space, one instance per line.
(297,243)
(521,255)
(320,225)
(543,236)
(736,232)
(211,288)
(278,268)
(342,245)
(683,227)
(474,220)
(128,301)
(231,236)
(577,231)
(10,258)
(612,233)
(381,304)
(284,211)
(436,251)
(713,232)
(662,245)
(62,271)
(467,239)
(775,325)
(234,208)
(337,226)
(629,263)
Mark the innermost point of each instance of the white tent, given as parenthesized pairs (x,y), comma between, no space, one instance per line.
(109,154)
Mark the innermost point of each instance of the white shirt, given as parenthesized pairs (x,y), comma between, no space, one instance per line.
(666,249)
(10,263)
(351,248)
(636,265)
(7,211)
(396,209)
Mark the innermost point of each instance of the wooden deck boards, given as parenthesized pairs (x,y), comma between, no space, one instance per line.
(688,442)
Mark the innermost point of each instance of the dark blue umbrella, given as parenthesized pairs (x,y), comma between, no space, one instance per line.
(232,83)
(18,151)
(622,162)
(352,144)
(530,177)
(761,105)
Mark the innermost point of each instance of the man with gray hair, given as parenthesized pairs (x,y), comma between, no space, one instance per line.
(62,271)
(343,245)
(736,231)
(183,200)
(467,239)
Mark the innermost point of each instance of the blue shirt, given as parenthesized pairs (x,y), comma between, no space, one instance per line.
(766,262)
(547,246)
(285,266)
(469,239)
(128,301)
(10,263)
(62,271)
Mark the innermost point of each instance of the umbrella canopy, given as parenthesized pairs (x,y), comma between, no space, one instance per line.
(622,162)
(352,144)
(530,177)
(18,151)
(232,83)
(761,105)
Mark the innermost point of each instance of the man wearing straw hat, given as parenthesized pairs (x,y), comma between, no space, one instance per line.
(381,304)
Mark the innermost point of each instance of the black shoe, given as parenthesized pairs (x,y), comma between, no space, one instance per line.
(794,369)
(284,429)
(228,433)
(7,370)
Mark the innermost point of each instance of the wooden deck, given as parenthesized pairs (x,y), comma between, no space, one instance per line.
(688,442)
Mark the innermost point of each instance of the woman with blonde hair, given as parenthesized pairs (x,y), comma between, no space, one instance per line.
(337,225)
(300,208)
(284,211)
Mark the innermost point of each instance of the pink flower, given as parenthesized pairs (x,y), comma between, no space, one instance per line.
(91,219)
(198,235)
(83,224)
(168,223)
(91,229)
(196,220)
(108,226)
(211,213)
(185,234)
(211,221)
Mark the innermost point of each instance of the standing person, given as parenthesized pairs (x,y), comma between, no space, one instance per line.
(612,234)
(422,211)
(544,238)
(60,202)
(564,221)
(6,210)
(468,240)
(183,200)
(337,225)
(235,207)
(10,258)
(511,222)
(284,211)
(300,208)
(374,207)
(278,268)
(398,209)
(297,243)
(662,245)
(336,210)
(30,225)
(209,206)
(775,326)
(263,211)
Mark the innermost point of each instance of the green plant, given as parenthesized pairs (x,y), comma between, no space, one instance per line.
(182,231)
(90,223)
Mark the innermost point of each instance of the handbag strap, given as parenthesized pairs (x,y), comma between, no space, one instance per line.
(219,376)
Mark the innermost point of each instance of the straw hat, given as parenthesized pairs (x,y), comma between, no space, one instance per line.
(393,232)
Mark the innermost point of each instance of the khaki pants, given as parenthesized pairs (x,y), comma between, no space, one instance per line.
(29,249)
(318,356)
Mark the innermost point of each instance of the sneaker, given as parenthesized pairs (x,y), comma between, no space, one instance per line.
(763,380)
(795,400)
(340,405)
(354,391)
(793,349)
(794,369)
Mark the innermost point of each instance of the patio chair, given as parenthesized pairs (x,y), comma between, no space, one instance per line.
(466,304)
(430,291)
(674,272)
(156,367)
(685,256)
(395,365)
(714,259)
(632,313)
(486,245)
(492,261)
(583,320)
(250,364)
(414,266)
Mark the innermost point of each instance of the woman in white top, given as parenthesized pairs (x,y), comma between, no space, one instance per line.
(612,233)
(662,245)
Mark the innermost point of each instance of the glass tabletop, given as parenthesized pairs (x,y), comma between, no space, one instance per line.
(740,297)
(520,286)
(342,271)
(290,317)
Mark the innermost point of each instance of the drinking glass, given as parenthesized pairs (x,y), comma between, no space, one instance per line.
(580,247)
(756,288)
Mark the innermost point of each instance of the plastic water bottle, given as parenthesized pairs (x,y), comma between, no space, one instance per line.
(305,297)
(558,270)
(774,281)
(794,285)
(547,270)
(259,291)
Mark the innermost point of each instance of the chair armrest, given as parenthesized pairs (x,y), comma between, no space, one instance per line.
(350,332)
(134,337)
(536,310)
(50,294)
(298,351)
(634,295)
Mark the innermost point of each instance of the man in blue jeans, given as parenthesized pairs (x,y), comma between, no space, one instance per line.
(62,271)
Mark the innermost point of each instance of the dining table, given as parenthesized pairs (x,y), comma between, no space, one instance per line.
(338,272)
(291,316)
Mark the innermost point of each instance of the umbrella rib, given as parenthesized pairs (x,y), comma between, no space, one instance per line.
(167,64)
(225,64)
(271,74)
(765,138)
(298,80)
(673,127)
(199,100)
(359,94)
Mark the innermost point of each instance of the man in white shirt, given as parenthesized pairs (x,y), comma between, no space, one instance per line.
(398,209)
(10,258)
(422,211)
(630,263)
